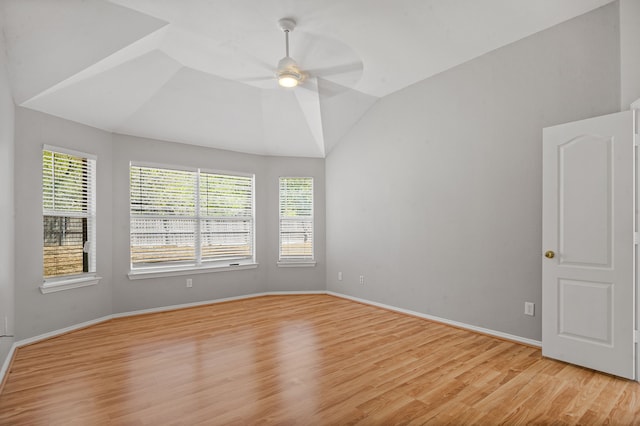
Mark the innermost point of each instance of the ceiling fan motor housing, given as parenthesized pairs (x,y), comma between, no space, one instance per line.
(287,24)
(288,64)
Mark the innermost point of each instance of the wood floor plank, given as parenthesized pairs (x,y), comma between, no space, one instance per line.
(307,360)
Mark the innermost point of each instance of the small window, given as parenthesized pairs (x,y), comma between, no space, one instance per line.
(189,218)
(296,219)
(68,200)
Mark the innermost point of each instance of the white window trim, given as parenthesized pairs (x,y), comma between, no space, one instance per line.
(71,152)
(68,283)
(175,271)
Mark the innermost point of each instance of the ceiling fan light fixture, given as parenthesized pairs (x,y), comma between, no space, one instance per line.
(287,79)
(288,74)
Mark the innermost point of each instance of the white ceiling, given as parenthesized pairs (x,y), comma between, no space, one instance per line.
(201,71)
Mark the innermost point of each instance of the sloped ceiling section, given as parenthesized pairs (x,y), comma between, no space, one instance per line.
(49,41)
(202,72)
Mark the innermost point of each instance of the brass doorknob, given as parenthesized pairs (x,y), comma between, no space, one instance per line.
(549,254)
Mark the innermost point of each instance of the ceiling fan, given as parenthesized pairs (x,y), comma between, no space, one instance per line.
(289,74)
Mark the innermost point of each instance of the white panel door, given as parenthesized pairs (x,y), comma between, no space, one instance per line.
(588,268)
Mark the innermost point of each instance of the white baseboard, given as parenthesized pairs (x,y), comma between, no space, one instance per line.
(7,361)
(477,329)
(182,306)
(85,324)
(210,302)
(54,333)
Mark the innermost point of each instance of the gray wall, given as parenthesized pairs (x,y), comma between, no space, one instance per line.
(629,52)
(435,196)
(7,276)
(130,295)
(38,313)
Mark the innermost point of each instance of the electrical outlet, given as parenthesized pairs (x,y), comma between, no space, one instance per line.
(189,282)
(339,276)
(5,332)
(361,279)
(529,308)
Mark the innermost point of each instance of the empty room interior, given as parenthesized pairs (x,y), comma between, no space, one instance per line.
(319,212)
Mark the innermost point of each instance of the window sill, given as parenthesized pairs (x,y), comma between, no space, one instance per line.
(144,273)
(296,264)
(68,284)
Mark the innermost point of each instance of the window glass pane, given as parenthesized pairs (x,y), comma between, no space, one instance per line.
(64,182)
(296,238)
(226,196)
(296,197)
(226,238)
(162,192)
(64,239)
(162,240)
(296,218)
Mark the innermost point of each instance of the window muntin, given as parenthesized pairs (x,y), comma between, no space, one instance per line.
(69,205)
(296,219)
(189,217)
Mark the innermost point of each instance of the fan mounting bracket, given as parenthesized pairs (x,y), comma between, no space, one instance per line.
(287,24)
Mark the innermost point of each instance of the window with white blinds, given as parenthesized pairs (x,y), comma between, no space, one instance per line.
(69,208)
(296,219)
(189,217)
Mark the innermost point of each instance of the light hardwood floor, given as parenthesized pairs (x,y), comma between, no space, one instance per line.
(308,360)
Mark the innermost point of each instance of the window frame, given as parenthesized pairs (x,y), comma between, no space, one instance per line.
(199,265)
(90,277)
(291,261)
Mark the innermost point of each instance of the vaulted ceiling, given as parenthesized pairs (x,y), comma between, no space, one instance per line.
(202,71)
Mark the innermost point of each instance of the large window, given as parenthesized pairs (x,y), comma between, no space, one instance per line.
(68,201)
(187,218)
(296,219)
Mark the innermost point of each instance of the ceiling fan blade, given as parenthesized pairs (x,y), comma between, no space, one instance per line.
(305,46)
(329,89)
(337,69)
(260,82)
(310,83)
(252,79)
(256,62)
(324,88)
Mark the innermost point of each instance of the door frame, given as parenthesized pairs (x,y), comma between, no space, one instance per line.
(635,108)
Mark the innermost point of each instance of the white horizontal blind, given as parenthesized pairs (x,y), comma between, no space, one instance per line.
(163,215)
(68,201)
(296,218)
(226,212)
(182,217)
